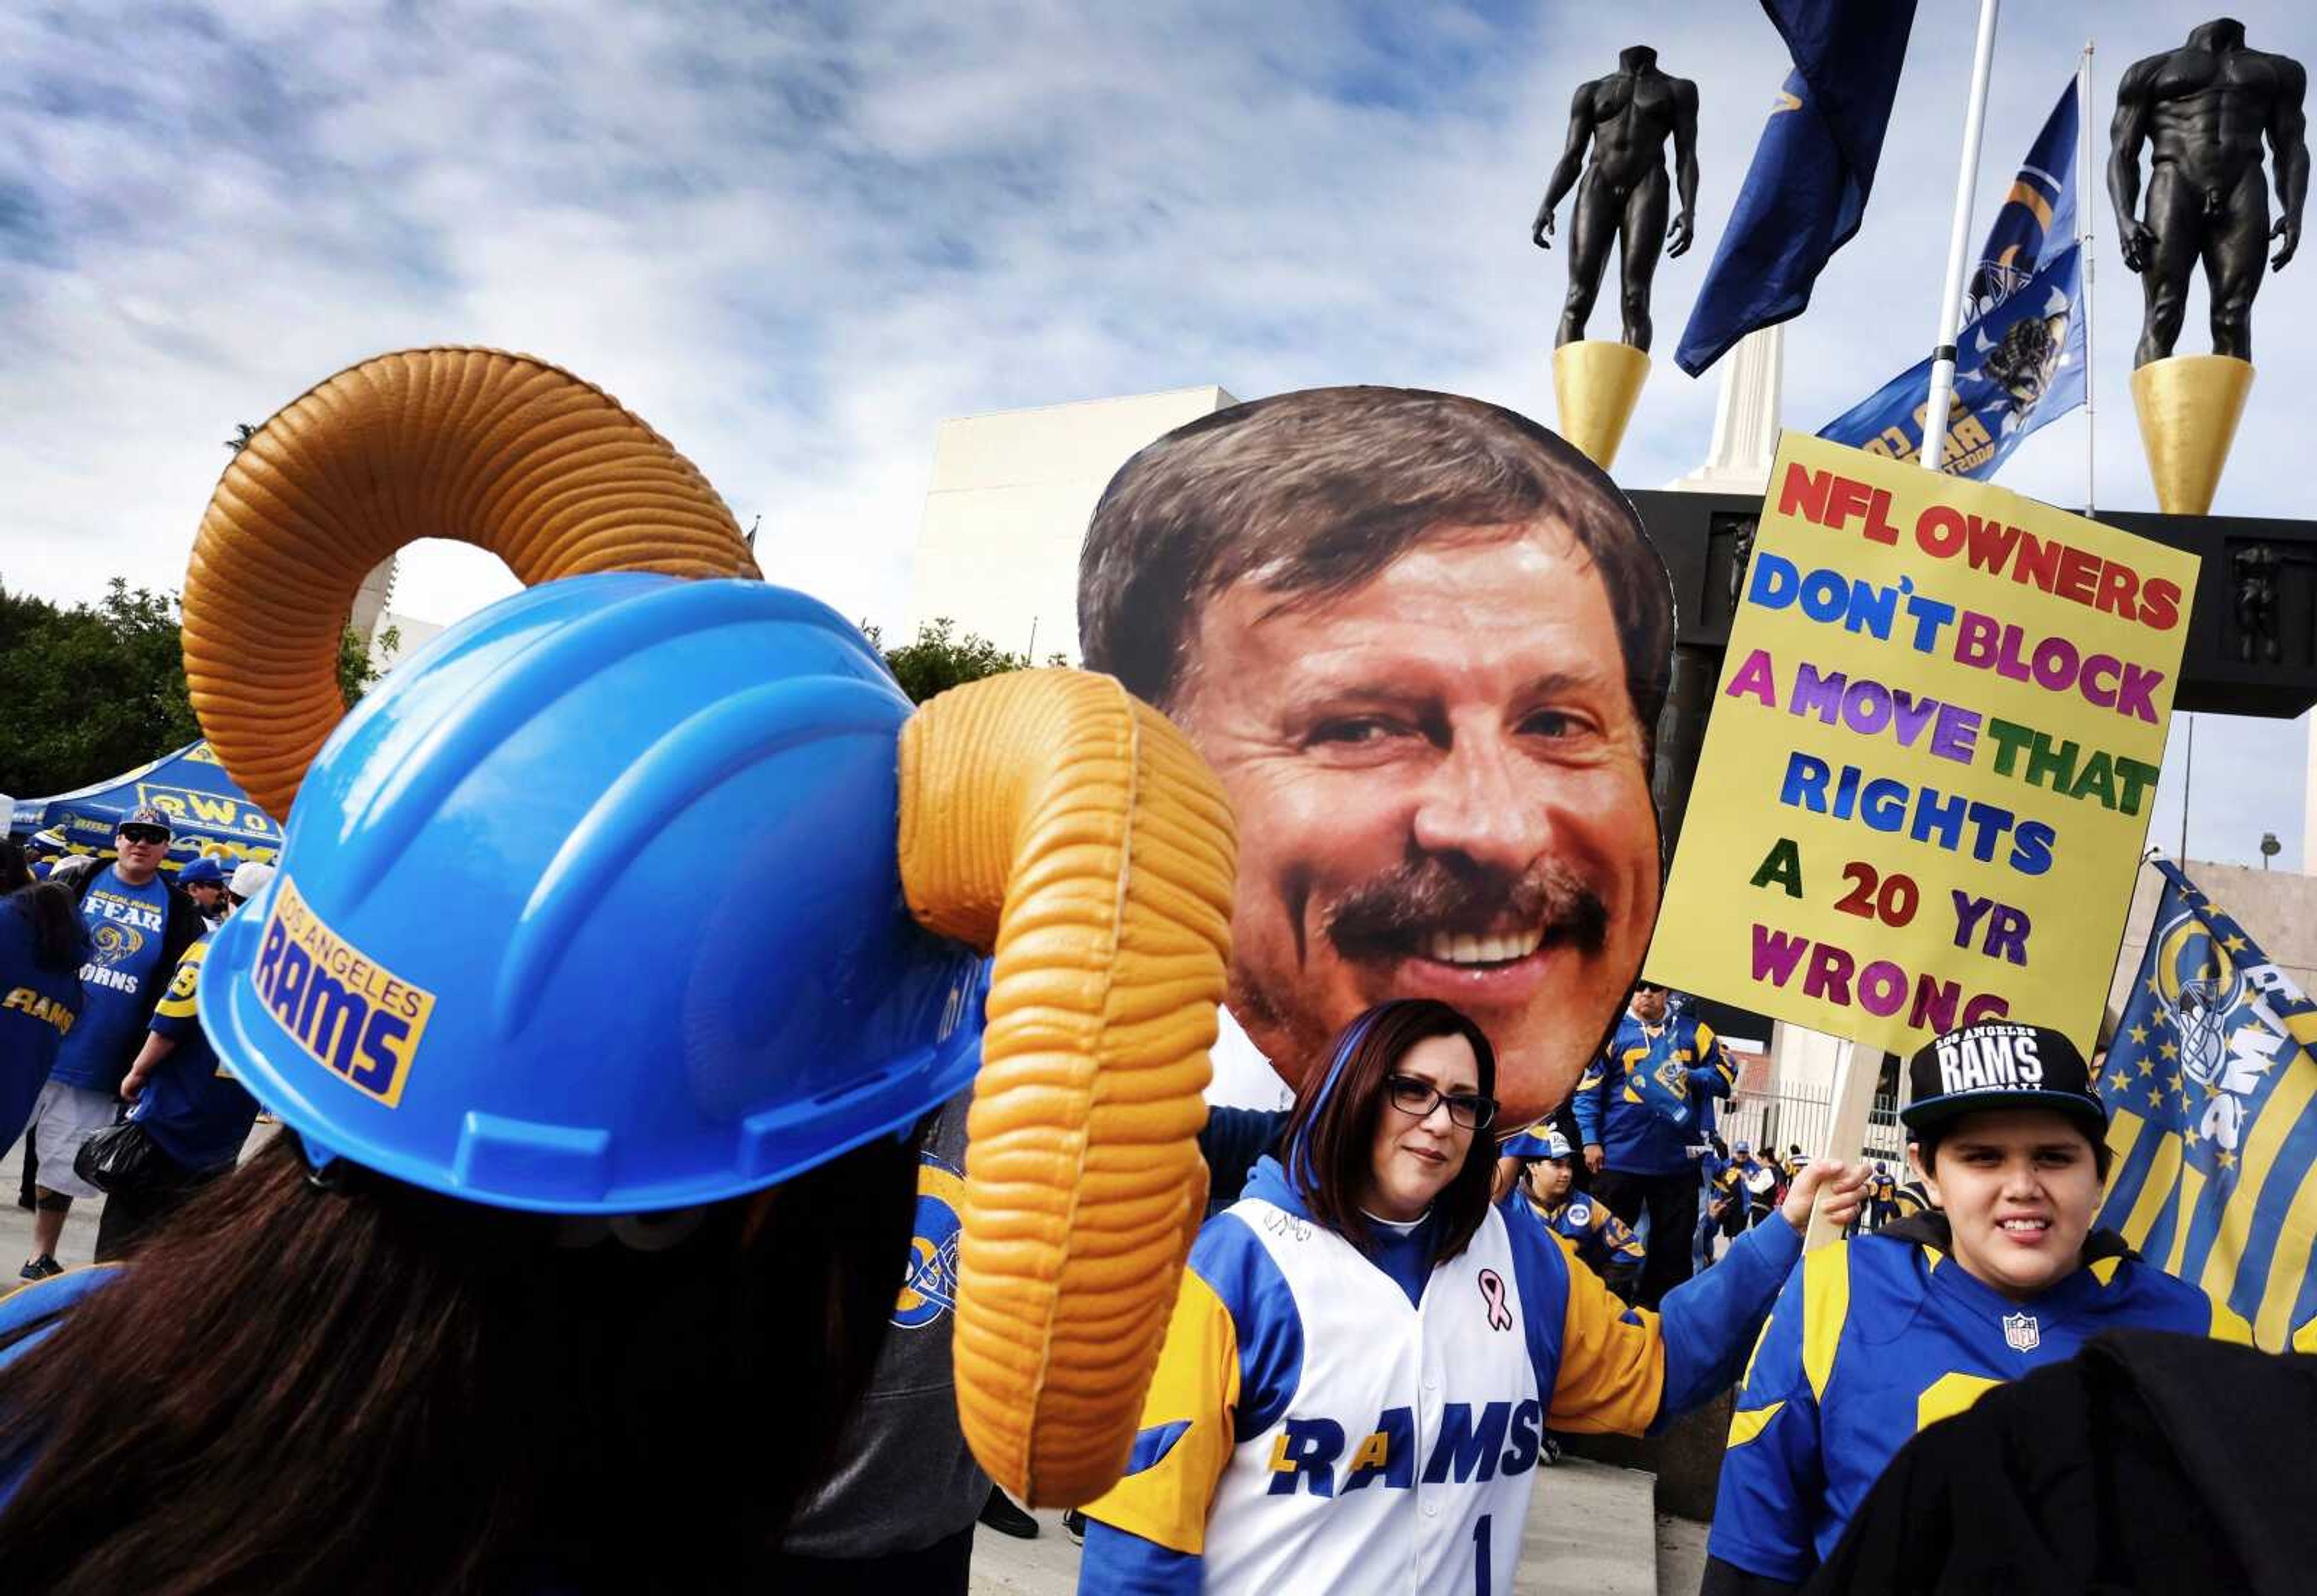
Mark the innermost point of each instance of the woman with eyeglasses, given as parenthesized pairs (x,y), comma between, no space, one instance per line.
(1366,1351)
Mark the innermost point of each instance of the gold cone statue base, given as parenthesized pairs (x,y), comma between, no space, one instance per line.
(1598,384)
(2188,407)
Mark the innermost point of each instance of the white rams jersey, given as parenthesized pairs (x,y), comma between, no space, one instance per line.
(1402,1460)
(1328,1420)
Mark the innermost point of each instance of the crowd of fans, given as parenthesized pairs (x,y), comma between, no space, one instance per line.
(105,1073)
(1611,1289)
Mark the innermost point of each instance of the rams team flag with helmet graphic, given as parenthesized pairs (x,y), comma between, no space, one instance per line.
(2212,1095)
(2021,359)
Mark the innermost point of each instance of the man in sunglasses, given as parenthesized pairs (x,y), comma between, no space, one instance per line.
(1645,1111)
(139,923)
(204,882)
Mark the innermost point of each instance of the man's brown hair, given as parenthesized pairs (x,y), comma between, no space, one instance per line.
(1316,492)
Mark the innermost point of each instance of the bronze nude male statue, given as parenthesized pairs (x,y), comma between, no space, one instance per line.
(2203,109)
(1627,116)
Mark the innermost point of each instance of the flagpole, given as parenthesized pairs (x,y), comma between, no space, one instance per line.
(2187,782)
(2084,191)
(1943,353)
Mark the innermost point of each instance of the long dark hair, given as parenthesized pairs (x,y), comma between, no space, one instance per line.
(375,1388)
(59,935)
(14,873)
(1330,1137)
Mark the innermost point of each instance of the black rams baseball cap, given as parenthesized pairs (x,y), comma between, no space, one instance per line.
(148,816)
(2001,1063)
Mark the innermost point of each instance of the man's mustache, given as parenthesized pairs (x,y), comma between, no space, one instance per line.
(1433,894)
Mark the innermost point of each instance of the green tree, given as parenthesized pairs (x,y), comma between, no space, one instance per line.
(938,659)
(92,690)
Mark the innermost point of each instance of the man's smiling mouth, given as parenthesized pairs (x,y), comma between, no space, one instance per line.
(1453,947)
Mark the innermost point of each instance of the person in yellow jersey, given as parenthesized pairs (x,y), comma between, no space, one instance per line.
(1874,1338)
(1366,1352)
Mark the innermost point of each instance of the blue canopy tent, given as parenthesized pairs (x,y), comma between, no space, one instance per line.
(208,813)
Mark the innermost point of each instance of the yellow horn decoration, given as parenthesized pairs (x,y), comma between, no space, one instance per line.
(1050,818)
(497,450)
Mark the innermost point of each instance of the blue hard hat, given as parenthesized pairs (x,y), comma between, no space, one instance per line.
(204,871)
(1544,1143)
(594,907)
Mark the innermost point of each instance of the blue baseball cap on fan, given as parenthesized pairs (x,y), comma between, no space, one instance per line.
(1534,1144)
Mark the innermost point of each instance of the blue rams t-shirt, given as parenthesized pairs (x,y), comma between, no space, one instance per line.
(38,1006)
(192,1106)
(125,927)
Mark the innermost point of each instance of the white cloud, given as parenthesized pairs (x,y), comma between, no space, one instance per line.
(793,238)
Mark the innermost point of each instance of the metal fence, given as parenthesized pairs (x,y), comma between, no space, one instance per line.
(1803,1116)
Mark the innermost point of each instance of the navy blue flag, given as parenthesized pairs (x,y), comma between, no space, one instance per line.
(1806,191)
(2020,362)
(2212,1096)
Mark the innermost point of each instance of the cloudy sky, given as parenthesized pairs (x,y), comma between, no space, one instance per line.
(795,236)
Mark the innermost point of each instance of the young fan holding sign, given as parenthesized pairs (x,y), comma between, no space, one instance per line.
(1875,1338)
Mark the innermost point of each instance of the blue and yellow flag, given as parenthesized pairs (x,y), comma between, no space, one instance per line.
(2037,218)
(2019,360)
(2211,1093)
(1805,194)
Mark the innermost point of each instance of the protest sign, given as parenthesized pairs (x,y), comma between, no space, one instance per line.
(1926,780)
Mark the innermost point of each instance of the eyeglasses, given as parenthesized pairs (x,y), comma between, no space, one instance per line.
(1416,1099)
(144,834)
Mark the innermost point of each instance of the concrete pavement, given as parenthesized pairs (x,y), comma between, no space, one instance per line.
(1591,1527)
(16,1225)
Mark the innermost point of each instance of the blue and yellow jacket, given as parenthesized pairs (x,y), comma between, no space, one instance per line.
(1649,1099)
(1600,1238)
(1910,1198)
(1724,1182)
(1250,1442)
(1877,1337)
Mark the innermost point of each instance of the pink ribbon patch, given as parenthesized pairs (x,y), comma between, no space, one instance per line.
(1492,1289)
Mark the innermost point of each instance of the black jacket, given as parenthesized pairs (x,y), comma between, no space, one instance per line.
(2148,1462)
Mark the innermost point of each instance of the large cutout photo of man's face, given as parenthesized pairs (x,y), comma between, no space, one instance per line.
(1422,642)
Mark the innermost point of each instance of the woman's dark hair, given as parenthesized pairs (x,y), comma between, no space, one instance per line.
(59,934)
(1330,1138)
(375,1388)
(14,873)
(1927,1144)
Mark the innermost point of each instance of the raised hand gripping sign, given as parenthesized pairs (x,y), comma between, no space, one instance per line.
(1926,780)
